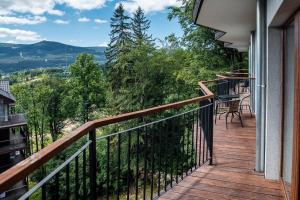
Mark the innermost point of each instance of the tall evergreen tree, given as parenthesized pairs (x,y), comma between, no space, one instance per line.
(120,35)
(119,46)
(140,26)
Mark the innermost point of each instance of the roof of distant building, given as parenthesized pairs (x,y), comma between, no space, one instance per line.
(5,91)
(4,85)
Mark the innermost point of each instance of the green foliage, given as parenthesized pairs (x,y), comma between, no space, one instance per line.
(200,41)
(140,26)
(120,36)
(86,87)
(41,100)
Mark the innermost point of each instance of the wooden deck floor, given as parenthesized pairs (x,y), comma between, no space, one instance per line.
(232,176)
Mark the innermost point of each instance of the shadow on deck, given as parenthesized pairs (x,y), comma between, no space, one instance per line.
(232,176)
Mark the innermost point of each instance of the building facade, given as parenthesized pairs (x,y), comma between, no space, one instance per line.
(269,30)
(13,139)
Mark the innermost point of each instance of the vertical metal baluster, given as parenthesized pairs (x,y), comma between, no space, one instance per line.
(93,165)
(107,166)
(203,132)
(84,173)
(44,187)
(152,164)
(192,135)
(208,130)
(196,145)
(177,135)
(119,166)
(183,150)
(67,181)
(76,179)
(211,131)
(57,186)
(200,136)
(172,150)
(159,163)
(128,165)
(166,155)
(137,165)
(187,145)
(145,162)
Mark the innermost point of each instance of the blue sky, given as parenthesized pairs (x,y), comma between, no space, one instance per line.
(76,22)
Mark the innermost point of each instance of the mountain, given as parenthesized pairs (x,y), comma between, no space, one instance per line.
(16,57)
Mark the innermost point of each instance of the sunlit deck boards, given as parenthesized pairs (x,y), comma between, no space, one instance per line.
(232,176)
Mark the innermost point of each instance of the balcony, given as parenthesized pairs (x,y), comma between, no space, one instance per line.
(16,144)
(231,176)
(12,121)
(173,151)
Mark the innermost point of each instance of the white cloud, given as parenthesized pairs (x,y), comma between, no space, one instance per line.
(38,7)
(149,5)
(63,22)
(20,35)
(83,4)
(56,12)
(22,20)
(35,7)
(100,21)
(84,19)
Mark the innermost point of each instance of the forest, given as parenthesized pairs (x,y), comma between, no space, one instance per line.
(138,74)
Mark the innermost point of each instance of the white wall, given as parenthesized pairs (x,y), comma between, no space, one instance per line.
(273,105)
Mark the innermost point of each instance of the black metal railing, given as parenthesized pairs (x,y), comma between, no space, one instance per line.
(230,86)
(141,162)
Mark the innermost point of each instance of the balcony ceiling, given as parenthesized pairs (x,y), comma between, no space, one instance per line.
(235,18)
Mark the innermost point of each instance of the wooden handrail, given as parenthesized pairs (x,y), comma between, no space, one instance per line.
(234,78)
(222,77)
(212,81)
(18,172)
(205,89)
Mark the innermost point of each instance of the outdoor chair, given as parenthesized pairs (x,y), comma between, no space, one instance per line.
(230,107)
(245,102)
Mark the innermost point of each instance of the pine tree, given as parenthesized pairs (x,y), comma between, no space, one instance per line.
(120,36)
(140,25)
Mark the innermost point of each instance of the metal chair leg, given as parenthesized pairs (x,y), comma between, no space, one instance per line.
(226,120)
(240,117)
(216,118)
(216,113)
(250,111)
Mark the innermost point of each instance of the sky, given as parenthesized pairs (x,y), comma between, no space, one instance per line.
(76,22)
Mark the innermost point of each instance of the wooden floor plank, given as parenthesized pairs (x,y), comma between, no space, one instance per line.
(232,176)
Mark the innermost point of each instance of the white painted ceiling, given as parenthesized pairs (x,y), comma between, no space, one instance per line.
(236,18)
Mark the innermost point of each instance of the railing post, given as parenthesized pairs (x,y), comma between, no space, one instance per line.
(93,165)
(211,135)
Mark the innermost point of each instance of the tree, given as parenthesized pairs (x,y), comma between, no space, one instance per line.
(140,26)
(120,35)
(55,110)
(200,41)
(86,86)
(120,44)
